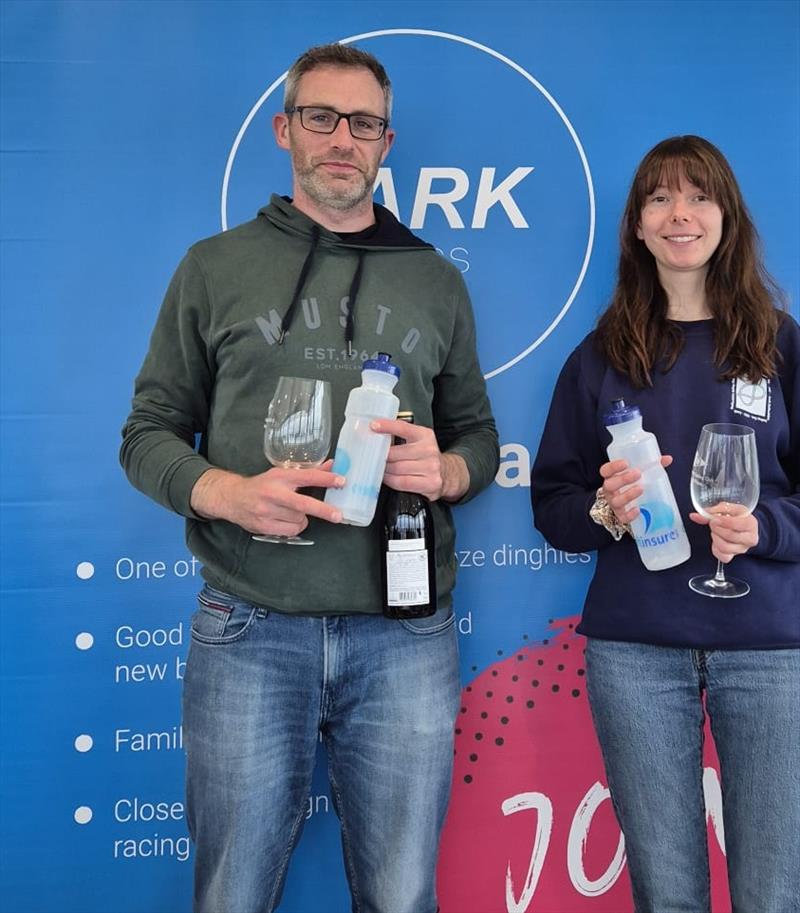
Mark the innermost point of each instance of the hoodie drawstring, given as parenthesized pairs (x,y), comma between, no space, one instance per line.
(301,281)
(349,330)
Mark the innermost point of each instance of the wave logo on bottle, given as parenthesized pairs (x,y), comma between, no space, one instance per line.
(341,465)
(657,515)
(341,462)
(659,525)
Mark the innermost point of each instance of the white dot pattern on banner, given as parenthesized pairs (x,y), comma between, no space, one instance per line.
(83,815)
(84,743)
(84,641)
(85,570)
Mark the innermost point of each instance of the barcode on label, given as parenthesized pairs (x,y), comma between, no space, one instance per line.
(407,577)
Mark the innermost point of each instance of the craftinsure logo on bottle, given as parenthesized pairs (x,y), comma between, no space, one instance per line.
(487,167)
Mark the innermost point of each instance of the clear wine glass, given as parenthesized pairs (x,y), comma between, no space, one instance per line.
(297,432)
(724,483)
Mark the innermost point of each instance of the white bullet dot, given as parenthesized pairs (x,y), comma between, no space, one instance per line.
(84,743)
(83,815)
(84,641)
(85,570)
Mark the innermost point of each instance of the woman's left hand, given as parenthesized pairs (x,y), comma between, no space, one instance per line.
(733,532)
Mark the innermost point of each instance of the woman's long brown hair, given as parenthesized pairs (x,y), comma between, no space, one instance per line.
(634,333)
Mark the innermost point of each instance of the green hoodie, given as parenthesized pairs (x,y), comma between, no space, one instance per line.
(281,295)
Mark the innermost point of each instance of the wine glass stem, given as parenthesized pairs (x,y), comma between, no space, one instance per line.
(719,577)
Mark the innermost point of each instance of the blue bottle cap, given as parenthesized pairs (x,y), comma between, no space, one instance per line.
(621,413)
(382,363)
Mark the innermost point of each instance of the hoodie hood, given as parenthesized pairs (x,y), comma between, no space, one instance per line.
(389,233)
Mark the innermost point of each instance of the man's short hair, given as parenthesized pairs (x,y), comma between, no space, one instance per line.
(336,55)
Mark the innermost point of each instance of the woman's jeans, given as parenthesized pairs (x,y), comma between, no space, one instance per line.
(259,689)
(647,704)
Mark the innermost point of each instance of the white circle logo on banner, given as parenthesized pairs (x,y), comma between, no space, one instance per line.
(528,269)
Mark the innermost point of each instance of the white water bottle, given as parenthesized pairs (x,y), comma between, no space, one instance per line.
(658,530)
(360,452)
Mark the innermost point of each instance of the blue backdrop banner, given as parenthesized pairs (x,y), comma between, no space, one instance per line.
(132,129)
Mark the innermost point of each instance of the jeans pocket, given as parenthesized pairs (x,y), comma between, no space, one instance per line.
(441,620)
(221,618)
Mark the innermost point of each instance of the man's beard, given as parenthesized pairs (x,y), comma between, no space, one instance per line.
(331,192)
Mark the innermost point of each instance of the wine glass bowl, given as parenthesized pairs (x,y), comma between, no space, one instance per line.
(725,482)
(297,432)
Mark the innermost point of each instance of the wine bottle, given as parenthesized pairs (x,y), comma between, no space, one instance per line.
(408,558)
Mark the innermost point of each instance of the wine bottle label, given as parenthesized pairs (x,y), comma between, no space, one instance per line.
(407,573)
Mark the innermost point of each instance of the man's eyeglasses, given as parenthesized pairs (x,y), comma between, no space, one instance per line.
(326,120)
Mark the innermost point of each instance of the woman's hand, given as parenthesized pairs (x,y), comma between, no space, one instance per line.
(620,489)
(734,530)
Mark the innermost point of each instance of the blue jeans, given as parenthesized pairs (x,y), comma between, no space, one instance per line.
(259,688)
(647,704)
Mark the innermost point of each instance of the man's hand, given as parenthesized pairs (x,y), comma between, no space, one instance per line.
(734,530)
(268,503)
(419,465)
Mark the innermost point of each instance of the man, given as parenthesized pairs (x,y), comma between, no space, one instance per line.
(288,642)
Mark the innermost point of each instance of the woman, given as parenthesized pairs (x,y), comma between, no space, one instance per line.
(692,336)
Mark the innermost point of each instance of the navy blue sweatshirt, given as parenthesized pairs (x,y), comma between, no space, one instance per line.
(625,601)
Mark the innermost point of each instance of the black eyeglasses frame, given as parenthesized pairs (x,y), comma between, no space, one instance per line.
(298,109)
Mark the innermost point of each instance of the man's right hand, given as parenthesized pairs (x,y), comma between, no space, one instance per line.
(268,503)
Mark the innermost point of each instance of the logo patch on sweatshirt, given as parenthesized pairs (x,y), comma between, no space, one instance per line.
(752,400)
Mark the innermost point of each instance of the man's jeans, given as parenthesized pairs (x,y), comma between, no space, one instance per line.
(648,712)
(259,688)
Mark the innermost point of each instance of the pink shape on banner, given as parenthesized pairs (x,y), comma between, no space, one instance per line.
(530,827)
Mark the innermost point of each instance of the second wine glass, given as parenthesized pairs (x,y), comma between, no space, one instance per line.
(725,482)
(297,432)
